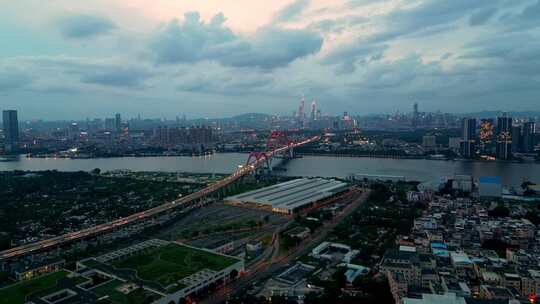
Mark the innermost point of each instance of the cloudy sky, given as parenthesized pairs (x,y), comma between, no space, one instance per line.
(212,58)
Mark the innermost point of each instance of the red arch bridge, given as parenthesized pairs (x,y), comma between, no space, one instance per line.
(277,144)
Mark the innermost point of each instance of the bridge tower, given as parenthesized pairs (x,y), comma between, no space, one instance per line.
(255,157)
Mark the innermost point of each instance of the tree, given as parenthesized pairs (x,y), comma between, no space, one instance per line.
(96,171)
(526,184)
(499,211)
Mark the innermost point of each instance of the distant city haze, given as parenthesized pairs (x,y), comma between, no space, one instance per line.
(162,59)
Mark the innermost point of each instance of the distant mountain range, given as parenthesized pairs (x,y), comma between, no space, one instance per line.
(251,116)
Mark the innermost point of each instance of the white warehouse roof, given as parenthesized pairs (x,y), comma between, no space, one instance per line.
(291,195)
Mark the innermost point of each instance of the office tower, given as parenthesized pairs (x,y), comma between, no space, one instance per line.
(73,131)
(486,131)
(416,115)
(11,129)
(516,138)
(313,110)
(486,134)
(504,137)
(301,113)
(118,123)
(468,142)
(528,136)
(110,124)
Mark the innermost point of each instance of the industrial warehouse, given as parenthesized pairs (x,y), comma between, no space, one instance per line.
(291,196)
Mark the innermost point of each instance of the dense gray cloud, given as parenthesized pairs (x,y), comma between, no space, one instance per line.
(84,26)
(509,54)
(194,40)
(187,41)
(12,78)
(292,11)
(532,12)
(482,16)
(526,19)
(272,47)
(348,56)
(427,18)
(361,56)
(241,85)
(337,25)
(117,77)
(62,74)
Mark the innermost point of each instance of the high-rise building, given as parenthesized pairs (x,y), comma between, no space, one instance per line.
(11,129)
(486,131)
(73,131)
(118,123)
(468,141)
(416,115)
(504,137)
(487,135)
(516,138)
(301,114)
(528,136)
(313,110)
(110,124)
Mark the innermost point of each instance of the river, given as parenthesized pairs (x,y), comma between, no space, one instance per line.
(512,174)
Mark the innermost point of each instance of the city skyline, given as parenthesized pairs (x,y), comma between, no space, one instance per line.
(215,60)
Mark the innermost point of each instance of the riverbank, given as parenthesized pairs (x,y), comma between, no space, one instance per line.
(87,156)
(512,174)
(418,157)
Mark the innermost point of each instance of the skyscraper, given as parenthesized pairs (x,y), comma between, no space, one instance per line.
(11,129)
(486,134)
(468,141)
(415,117)
(313,110)
(516,138)
(118,122)
(504,137)
(110,124)
(528,137)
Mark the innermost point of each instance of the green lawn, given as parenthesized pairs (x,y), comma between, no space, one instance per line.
(173,262)
(17,293)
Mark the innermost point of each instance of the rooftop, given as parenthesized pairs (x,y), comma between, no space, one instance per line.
(292,194)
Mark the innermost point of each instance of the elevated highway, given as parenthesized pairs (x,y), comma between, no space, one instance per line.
(56,242)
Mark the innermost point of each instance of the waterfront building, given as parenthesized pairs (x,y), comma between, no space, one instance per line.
(289,197)
(110,124)
(118,123)
(528,136)
(11,129)
(516,138)
(504,138)
(486,135)
(468,142)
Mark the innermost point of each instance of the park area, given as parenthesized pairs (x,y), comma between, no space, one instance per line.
(168,264)
(17,293)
